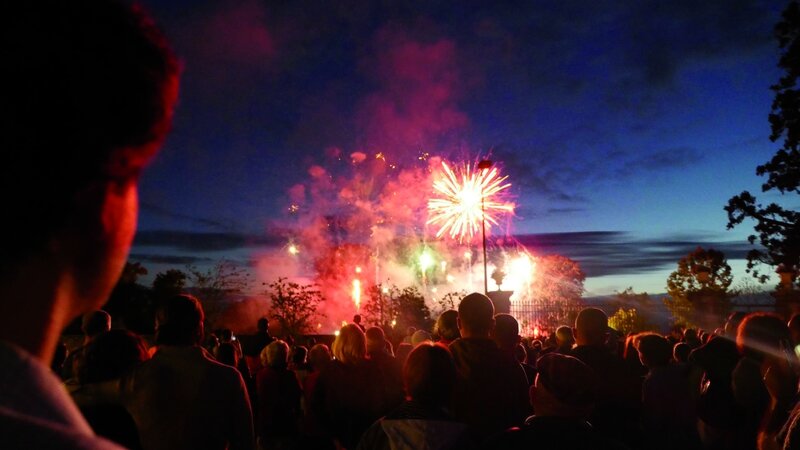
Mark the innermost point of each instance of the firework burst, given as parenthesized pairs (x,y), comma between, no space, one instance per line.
(465,196)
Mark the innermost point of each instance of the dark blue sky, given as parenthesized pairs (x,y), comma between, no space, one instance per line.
(624,125)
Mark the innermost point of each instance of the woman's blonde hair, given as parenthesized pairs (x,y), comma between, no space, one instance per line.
(276,354)
(351,344)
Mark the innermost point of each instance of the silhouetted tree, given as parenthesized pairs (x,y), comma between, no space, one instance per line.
(698,289)
(777,227)
(295,305)
(215,285)
(629,321)
(405,308)
(168,284)
(131,303)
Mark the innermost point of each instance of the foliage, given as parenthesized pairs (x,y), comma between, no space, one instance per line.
(216,284)
(449,301)
(777,228)
(558,279)
(169,284)
(628,321)
(132,272)
(295,305)
(698,289)
(405,308)
(131,303)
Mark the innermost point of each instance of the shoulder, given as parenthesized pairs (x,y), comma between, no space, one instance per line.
(23,432)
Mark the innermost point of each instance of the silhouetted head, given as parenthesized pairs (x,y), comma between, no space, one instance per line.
(376,340)
(95,322)
(419,337)
(475,315)
(429,374)
(275,355)
(654,350)
(90,87)
(351,345)
(112,355)
(447,326)
(591,327)
(227,354)
(180,321)
(680,352)
(564,387)
(357,319)
(762,334)
(564,336)
(506,331)
(262,325)
(319,356)
(299,354)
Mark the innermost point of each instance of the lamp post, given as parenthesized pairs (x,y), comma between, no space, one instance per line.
(483,166)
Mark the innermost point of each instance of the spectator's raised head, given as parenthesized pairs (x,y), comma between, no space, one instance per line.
(564,387)
(350,346)
(95,322)
(111,356)
(447,326)
(275,355)
(180,321)
(262,325)
(762,334)
(475,316)
(654,350)
(376,340)
(506,331)
(591,327)
(429,374)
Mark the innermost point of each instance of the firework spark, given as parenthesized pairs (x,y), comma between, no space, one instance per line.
(464,197)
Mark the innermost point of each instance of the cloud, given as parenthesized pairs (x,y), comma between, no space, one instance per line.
(169,259)
(617,253)
(146,207)
(203,241)
(661,160)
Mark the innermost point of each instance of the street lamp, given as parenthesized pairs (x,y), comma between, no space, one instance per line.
(484,166)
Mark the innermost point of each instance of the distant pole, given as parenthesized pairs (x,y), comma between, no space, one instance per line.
(484,166)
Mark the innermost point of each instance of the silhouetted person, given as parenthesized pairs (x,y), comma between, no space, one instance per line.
(109,359)
(357,321)
(490,391)
(618,391)
(90,87)
(278,398)
(183,399)
(422,421)
(447,327)
(563,397)
(506,336)
(92,324)
(388,366)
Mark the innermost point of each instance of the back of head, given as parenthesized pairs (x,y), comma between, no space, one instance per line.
(350,346)
(226,354)
(112,355)
(476,315)
(429,374)
(95,322)
(318,356)
(299,354)
(564,386)
(681,352)
(376,340)
(591,327)
(654,350)
(262,325)
(447,326)
(761,334)
(564,336)
(506,331)
(419,337)
(276,355)
(89,95)
(180,321)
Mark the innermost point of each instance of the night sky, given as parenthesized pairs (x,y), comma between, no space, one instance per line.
(624,127)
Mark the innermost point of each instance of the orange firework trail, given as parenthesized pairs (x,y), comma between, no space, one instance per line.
(457,207)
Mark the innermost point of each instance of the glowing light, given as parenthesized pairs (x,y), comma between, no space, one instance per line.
(458,209)
(293,250)
(450,278)
(293,209)
(468,255)
(358,269)
(536,331)
(357,293)
(394,322)
(385,290)
(336,333)
(434,290)
(443,265)
(426,261)
(319,325)
(380,156)
(344,323)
